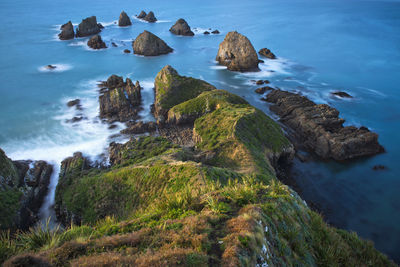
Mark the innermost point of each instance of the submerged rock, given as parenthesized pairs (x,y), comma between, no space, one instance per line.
(150,17)
(114,44)
(237,53)
(341,94)
(96,42)
(88,27)
(215,32)
(319,128)
(267,53)
(127,51)
(181,28)
(142,15)
(206,32)
(120,101)
(172,89)
(67,31)
(51,67)
(124,20)
(262,90)
(148,44)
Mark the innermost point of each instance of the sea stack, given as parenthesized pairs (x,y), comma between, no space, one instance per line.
(142,15)
(88,27)
(267,53)
(150,17)
(181,28)
(147,44)
(237,53)
(96,42)
(67,31)
(124,20)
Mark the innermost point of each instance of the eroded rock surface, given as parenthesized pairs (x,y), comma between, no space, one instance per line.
(181,28)
(96,42)
(88,26)
(148,44)
(67,31)
(124,20)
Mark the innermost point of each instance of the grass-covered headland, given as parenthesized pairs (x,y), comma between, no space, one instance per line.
(219,204)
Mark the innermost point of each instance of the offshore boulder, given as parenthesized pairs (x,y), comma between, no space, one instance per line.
(67,31)
(124,20)
(267,53)
(181,28)
(88,26)
(237,53)
(148,44)
(150,17)
(95,42)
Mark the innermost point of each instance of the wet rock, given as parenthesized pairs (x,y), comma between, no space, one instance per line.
(206,32)
(150,17)
(100,26)
(215,32)
(267,53)
(114,44)
(88,27)
(75,119)
(172,89)
(181,28)
(319,129)
(75,102)
(127,51)
(341,94)
(237,53)
(148,44)
(51,67)
(124,20)
(96,42)
(140,128)
(142,15)
(259,82)
(120,101)
(379,167)
(264,89)
(67,31)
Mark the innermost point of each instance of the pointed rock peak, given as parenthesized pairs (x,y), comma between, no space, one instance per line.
(142,15)
(124,19)
(181,28)
(148,44)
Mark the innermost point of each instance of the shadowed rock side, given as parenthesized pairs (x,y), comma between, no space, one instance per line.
(95,42)
(88,26)
(319,128)
(237,53)
(119,101)
(148,44)
(150,17)
(67,31)
(267,53)
(181,28)
(23,186)
(172,89)
(142,15)
(124,20)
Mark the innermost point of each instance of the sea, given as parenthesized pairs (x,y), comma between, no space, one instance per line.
(322,46)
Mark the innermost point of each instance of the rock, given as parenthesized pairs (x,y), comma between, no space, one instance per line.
(148,44)
(259,82)
(215,32)
(379,167)
(127,51)
(341,94)
(67,31)
(140,128)
(142,15)
(319,129)
(120,101)
(25,184)
(114,44)
(206,32)
(96,42)
(88,27)
(100,26)
(172,89)
(50,67)
(124,20)
(267,53)
(181,28)
(74,119)
(150,17)
(237,53)
(261,61)
(75,102)
(262,90)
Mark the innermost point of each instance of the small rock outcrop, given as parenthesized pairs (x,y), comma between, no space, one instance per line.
(142,15)
(67,31)
(95,42)
(181,28)
(206,32)
(127,51)
(150,17)
(319,128)
(140,127)
(341,94)
(148,44)
(51,67)
(237,53)
(119,101)
(264,89)
(124,20)
(172,89)
(88,26)
(267,53)
(23,186)
(215,32)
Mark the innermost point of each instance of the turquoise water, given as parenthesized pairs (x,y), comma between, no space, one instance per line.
(322,46)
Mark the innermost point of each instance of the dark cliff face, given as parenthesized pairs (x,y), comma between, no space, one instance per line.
(23,186)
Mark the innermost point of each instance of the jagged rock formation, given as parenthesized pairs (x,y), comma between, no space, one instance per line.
(148,44)
(23,186)
(119,101)
(267,53)
(319,128)
(237,53)
(88,26)
(181,28)
(172,89)
(150,17)
(341,94)
(67,31)
(142,15)
(124,20)
(95,42)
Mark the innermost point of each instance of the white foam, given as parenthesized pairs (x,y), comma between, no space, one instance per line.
(78,43)
(110,23)
(59,68)
(147,99)
(372,91)
(269,68)
(218,67)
